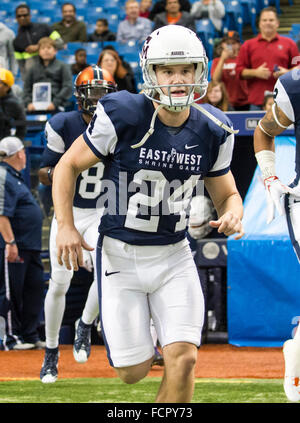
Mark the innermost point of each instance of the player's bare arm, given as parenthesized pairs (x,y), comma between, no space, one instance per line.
(69,242)
(268,128)
(273,123)
(228,203)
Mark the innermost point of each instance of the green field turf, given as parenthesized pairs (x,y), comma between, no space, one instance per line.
(112,390)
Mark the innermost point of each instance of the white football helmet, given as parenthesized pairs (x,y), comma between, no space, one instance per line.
(173,45)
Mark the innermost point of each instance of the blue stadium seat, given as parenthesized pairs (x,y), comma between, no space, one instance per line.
(206,32)
(233,19)
(43,7)
(249,13)
(94,13)
(43,19)
(72,47)
(92,59)
(93,47)
(276,3)
(9,7)
(128,48)
(260,4)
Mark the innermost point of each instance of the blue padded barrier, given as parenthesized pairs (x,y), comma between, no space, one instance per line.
(262,268)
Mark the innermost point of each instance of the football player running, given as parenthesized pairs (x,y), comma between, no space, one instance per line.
(156,148)
(60,131)
(285,111)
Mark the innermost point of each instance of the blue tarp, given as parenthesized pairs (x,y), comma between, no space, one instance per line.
(263,270)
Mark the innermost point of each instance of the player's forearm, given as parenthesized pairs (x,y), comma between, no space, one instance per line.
(233,203)
(217,75)
(63,187)
(262,141)
(6,229)
(248,73)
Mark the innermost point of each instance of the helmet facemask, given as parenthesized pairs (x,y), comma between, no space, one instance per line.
(88,94)
(154,91)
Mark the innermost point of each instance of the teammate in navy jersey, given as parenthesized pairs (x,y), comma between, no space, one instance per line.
(285,111)
(144,263)
(61,130)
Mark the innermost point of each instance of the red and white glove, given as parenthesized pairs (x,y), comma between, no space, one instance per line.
(275,189)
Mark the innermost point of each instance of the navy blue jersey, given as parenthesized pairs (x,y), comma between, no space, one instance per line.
(18,204)
(287,97)
(60,131)
(154,183)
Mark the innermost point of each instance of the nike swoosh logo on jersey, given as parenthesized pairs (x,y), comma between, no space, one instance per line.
(188,147)
(110,273)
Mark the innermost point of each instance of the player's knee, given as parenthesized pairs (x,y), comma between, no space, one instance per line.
(183,359)
(57,288)
(133,374)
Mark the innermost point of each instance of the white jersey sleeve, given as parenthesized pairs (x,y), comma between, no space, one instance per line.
(225,155)
(101,134)
(283,101)
(54,140)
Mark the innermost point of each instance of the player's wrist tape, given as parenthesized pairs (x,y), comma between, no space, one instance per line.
(12,242)
(266,163)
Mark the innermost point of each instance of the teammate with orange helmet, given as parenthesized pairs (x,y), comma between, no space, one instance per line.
(61,130)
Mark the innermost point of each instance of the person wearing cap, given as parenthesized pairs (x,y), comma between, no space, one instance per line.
(20,246)
(223,69)
(12,112)
(264,58)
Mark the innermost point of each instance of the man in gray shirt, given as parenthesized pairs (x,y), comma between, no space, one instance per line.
(7,54)
(134,28)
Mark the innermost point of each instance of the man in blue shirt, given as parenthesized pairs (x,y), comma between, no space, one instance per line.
(20,246)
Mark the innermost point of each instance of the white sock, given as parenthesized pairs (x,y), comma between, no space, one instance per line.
(55,303)
(91,308)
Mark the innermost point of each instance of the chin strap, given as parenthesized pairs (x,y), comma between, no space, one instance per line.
(197,106)
(214,119)
(150,130)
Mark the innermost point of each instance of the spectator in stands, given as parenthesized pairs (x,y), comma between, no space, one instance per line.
(102,32)
(80,61)
(110,60)
(268,100)
(133,28)
(214,10)
(264,58)
(217,96)
(20,240)
(160,6)
(49,69)
(7,54)
(224,69)
(145,8)
(174,16)
(69,27)
(26,42)
(12,112)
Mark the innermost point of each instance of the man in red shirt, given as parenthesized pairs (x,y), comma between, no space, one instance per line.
(264,58)
(224,69)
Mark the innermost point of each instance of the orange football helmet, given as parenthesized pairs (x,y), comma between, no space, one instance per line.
(91,84)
